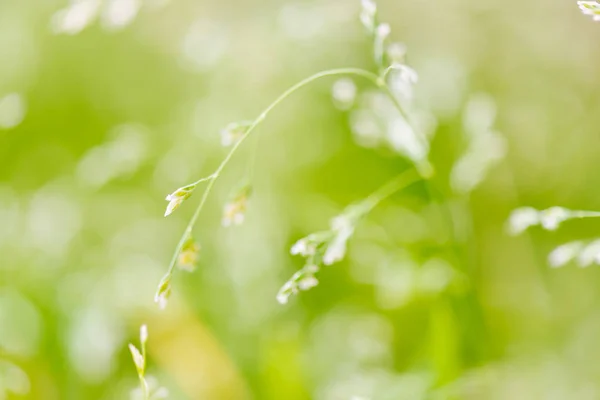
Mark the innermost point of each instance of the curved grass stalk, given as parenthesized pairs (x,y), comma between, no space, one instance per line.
(211,179)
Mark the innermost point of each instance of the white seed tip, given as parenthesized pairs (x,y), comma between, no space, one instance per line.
(143,334)
(282,298)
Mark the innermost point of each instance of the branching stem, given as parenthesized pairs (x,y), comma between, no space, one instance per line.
(374,78)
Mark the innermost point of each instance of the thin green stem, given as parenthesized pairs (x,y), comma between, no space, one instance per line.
(398,183)
(425,168)
(206,178)
(374,78)
(145,389)
(584,214)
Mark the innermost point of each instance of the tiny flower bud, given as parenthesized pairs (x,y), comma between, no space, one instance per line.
(188,256)
(343,228)
(143,335)
(303,247)
(286,291)
(367,14)
(311,269)
(551,218)
(163,292)
(177,197)
(234,132)
(369,6)
(307,282)
(234,210)
(396,52)
(383,31)
(406,73)
(160,393)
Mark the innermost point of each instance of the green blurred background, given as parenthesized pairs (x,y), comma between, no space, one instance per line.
(100,125)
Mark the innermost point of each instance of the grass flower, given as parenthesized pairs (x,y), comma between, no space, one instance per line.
(149,389)
(233,132)
(163,292)
(188,257)
(139,359)
(177,197)
(328,247)
(301,280)
(234,211)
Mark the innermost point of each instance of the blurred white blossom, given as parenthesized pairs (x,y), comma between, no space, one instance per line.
(396,52)
(94,339)
(485,147)
(301,20)
(13,380)
(405,73)
(119,13)
(521,219)
(479,114)
(382,32)
(76,17)
(205,44)
(21,324)
(342,228)
(12,110)
(114,15)
(404,140)
(344,93)
(51,208)
(585,254)
(549,219)
(366,128)
(119,157)
(564,254)
(368,14)
(483,151)
(590,254)
(144,334)
(376,121)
